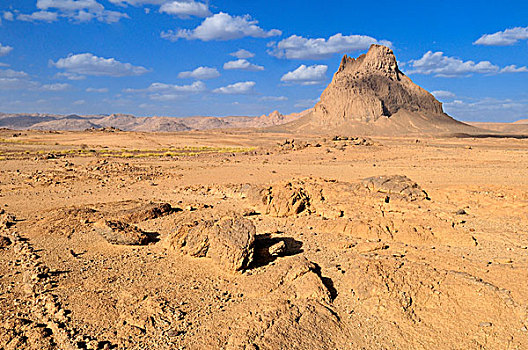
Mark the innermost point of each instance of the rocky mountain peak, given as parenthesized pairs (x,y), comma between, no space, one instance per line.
(371,87)
(378,60)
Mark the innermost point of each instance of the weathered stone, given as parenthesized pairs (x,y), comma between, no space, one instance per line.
(228,241)
(117,232)
(4,242)
(395,184)
(277,249)
(285,199)
(148,211)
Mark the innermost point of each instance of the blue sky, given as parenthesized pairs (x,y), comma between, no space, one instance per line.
(240,57)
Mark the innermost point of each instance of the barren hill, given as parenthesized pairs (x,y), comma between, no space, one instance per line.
(519,127)
(144,124)
(370,95)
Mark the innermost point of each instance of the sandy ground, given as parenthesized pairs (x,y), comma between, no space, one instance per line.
(333,263)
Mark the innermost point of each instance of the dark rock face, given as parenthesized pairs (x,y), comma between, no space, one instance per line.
(4,242)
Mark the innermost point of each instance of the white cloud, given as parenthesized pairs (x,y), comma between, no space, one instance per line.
(70,76)
(4,50)
(55,87)
(242,64)
(443,66)
(79,102)
(297,47)
(165,97)
(169,92)
(19,80)
(44,16)
(242,54)
(195,87)
(14,80)
(137,2)
(69,5)
(8,16)
(111,16)
(222,26)
(306,103)
(273,98)
(504,38)
(98,90)
(185,9)
(88,64)
(9,73)
(306,75)
(200,73)
(443,94)
(76,10)
(488,109)
(237,88)
(514,69)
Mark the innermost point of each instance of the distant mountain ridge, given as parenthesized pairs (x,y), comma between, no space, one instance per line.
(128,122)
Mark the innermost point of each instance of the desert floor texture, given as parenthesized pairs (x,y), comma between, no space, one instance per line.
(246,240)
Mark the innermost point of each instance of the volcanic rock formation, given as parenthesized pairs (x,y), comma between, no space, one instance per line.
(371,95)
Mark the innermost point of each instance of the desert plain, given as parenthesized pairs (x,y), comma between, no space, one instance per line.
(372,221)
(240,239)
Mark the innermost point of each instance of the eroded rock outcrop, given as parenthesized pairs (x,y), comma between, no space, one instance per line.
(228,241)
(399,185)
(285,199)
(147,211)
(121,233)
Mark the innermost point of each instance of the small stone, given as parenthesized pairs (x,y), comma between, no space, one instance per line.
(502,261)
(485,324)
(461,212)
(369,247)
(117,232)
(175,333)
(4,242)
(277,249)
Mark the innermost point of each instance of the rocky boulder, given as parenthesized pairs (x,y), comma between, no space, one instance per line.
(147,211)
(398,185)
(228,241)
(121,233)
(285,199)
